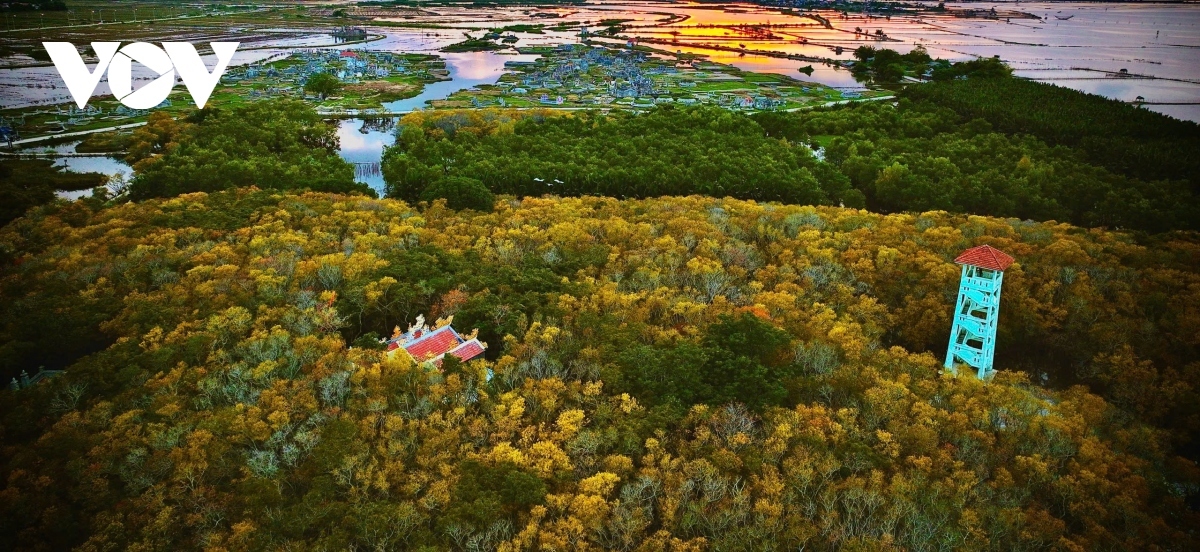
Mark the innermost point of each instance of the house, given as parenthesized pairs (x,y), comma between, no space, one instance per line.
(423,344)
(763,102)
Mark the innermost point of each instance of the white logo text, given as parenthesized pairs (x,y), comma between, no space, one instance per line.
(117,61)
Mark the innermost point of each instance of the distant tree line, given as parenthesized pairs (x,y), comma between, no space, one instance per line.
(918,156)
(46,5)
(887,66)
(1123,138)
(706,151)
(912,156)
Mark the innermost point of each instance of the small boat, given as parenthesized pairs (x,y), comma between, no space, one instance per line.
(1063,18)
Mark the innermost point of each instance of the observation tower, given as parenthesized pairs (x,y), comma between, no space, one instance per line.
(973,336)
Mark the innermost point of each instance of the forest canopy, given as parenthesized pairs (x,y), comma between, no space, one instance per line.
(222,406)
(913,156)
(706,151)
(1123,138)
(279,144)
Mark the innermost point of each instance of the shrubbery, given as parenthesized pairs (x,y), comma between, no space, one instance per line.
(460,193)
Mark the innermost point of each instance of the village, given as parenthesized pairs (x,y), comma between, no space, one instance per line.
(588,76)
(368,80)
(567,76)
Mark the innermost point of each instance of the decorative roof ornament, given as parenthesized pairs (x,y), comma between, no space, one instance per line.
(419,324)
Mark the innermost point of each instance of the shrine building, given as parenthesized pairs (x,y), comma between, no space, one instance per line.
(423,344)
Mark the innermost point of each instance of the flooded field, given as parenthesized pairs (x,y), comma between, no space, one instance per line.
(467,69)
(1079,45)
(1127,52)
(1122,51)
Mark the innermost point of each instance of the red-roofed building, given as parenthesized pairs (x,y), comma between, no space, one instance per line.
(431,345)
(349,54)
(985,256)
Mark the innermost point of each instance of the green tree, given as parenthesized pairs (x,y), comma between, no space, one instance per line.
(460,193)
(323,85)
(740,359)
(484,494)
(747,362)
(26,183)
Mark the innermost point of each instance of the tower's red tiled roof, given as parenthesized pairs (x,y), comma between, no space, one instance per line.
(433,344)
(985,256)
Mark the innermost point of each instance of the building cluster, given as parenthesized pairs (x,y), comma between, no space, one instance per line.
(349,33)
(349,66)
(587,75)
(62,118)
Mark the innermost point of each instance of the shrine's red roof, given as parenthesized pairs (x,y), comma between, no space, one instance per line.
(434,343)
(985,256)
(466,351)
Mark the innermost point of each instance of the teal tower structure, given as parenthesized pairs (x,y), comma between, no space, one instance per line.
(973,335)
